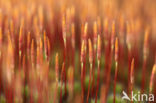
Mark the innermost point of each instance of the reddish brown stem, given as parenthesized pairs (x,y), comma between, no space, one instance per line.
(132,78)
(129,70)
(115,78)
(90,79)
(92,88)
(143,76)
(62,79)
(65,50)
(98,80)
(82,83)
(116,67)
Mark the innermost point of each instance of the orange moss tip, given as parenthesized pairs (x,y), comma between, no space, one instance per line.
(41,45)
(28,39)
(113,35)
(155,58)
(129,37)
(95,29)
(56,60)
(38,54)
(90,51)
(40,14)
(82,50)
(73,34)
(48,45)
(56,67)
(72,10)
(154,69)
(63,21)
(106,24)
(21,30)
(116,49)
(95,34)
(10,46)
(44,38)
(32,44)
(32,50)
(64,29)
(99,47)
(9,39)
(152,77)
(146,38)
(73,30)
(40,51)
(132,71)
(85,29)
(113,27)
(0,35)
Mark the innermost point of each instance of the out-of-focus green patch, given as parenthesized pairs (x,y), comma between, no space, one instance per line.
(119,88)
(2,99)
(77,66)
(77,87)
(93,101)
(86,81)
(44,55)
(35,96)
(102,62)
(117,100)
(138,77)
(113,66)
(63,89)
(51,75)
(26,91)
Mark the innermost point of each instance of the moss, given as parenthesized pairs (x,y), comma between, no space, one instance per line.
(2,99)
(118,99)
(77,87)
(86,81)
(26,89)
(93,101)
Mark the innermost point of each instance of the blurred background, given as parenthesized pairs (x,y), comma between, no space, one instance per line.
(41,49)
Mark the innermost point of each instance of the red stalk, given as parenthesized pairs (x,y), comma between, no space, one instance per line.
(82,70)
(32,53)
(94,53)
(57,76)
(107,56)
(152,78)
(98,73)
(110,57)
(145,54)
(129,46)
(65,50)
(116,67)
(0,56)
(132,77)
(62,80)
(73,44)
(91,66)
